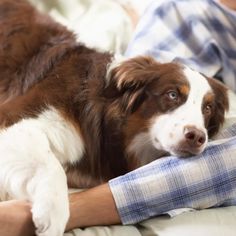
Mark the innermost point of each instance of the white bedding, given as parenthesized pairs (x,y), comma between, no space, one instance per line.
(90,19)
(209,222)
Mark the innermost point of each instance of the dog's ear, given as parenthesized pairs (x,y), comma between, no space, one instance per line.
(220,108)
(129,78)
(133,73)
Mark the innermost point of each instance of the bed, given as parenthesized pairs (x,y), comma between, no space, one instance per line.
(104,34)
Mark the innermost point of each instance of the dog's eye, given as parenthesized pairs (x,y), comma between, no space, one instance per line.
(208,109)
(173,95)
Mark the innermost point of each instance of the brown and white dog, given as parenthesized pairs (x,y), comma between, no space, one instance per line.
(69,110)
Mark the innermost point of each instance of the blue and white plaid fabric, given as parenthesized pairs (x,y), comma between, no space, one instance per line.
(202,35)
(198,33)
(170,183)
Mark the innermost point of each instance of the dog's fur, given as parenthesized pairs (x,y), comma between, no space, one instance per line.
(67,108)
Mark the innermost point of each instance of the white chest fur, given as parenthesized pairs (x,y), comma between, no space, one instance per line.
(64,141)
(32,154)
(32,143)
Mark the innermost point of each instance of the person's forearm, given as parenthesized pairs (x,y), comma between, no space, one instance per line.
(91,207)
(95,206)
(15,219)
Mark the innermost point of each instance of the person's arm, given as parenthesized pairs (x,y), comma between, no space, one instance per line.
(170,183)
(166,184)
(95,206)
(16,219)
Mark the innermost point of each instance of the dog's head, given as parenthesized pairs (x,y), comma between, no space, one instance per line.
(171,106)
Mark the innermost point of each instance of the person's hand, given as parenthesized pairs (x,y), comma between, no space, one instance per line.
(16,219)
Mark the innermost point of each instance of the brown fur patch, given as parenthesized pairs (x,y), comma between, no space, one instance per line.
(184,90)
(220,106)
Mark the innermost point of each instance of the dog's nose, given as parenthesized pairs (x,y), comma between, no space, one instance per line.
(194,137)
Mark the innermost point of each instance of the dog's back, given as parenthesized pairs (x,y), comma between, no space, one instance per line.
(31,43)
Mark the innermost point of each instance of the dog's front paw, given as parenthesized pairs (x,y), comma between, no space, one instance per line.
(50,221)
(41,221)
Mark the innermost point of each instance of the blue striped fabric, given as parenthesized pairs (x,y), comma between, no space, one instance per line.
(202,35)
(170,183)
(198,33)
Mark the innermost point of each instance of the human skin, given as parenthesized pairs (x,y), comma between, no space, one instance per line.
(95,206)
(15,218)
(229,3)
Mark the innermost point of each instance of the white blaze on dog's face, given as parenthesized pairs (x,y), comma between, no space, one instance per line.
(182,131)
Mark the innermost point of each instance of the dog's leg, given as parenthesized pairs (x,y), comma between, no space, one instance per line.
(29,170)
(48,190)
